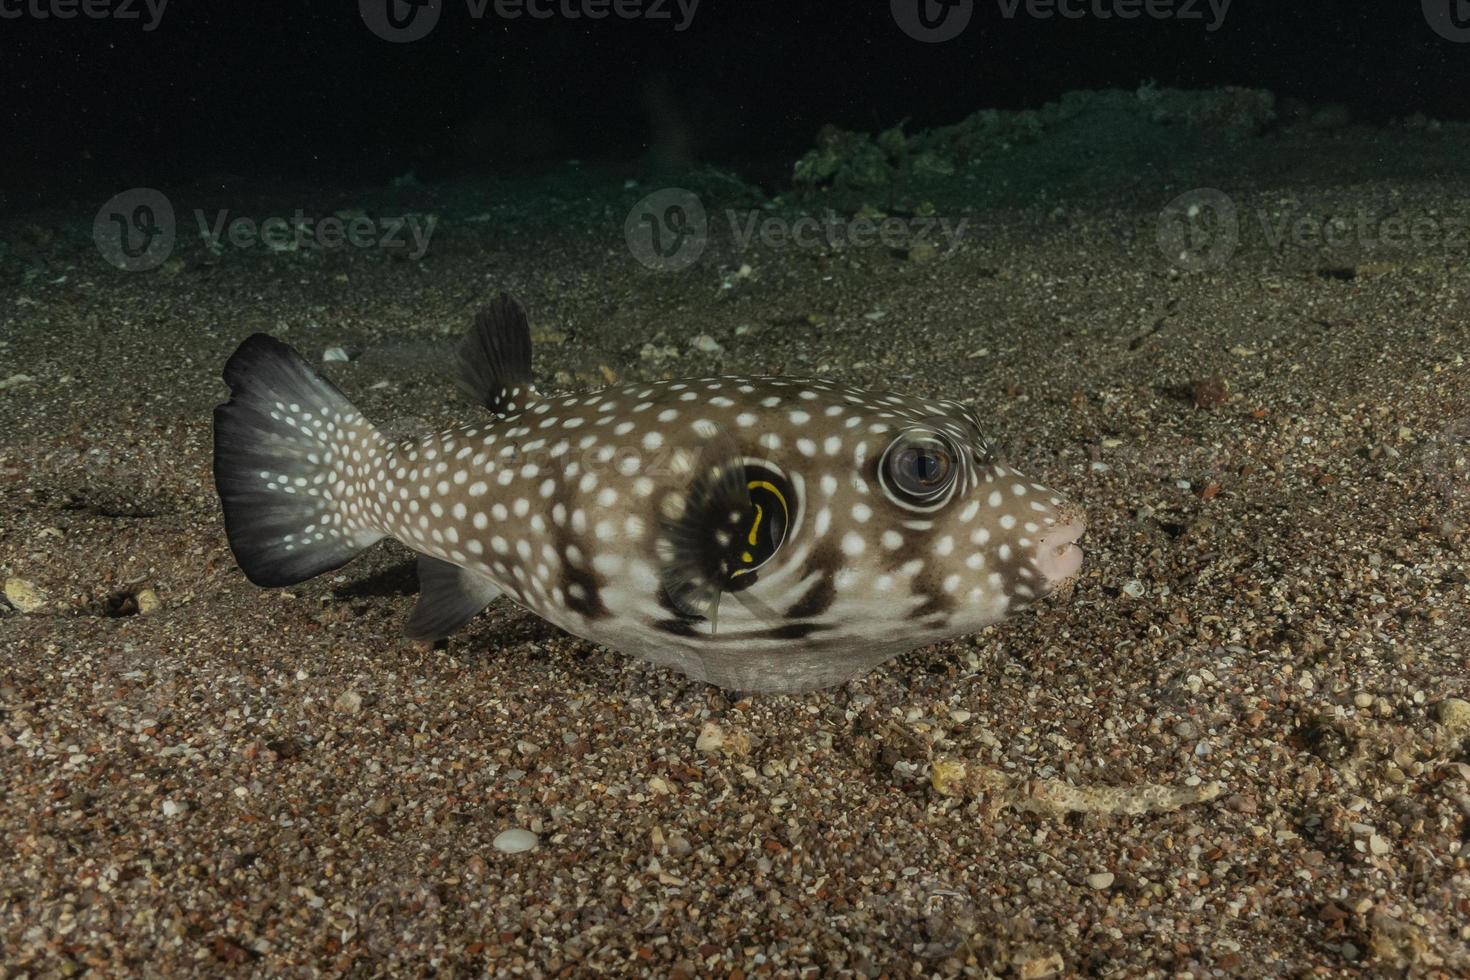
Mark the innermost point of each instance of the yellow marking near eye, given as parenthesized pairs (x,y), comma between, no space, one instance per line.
(756,525)
(767,485)
(760,514)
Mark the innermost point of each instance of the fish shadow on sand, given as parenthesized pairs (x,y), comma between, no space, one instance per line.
(400,578)
(397,579)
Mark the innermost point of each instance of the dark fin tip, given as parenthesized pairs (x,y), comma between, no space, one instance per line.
(449,597)
(264,524)
(495,357)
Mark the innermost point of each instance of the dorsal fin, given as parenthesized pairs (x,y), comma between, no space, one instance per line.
(495,358)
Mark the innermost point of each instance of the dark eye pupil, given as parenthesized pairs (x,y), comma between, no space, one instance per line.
(923,467)
(918,469)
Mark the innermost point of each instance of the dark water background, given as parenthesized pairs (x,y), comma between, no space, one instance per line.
(310,89)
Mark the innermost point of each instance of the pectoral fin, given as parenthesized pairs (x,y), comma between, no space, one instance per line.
(731,521)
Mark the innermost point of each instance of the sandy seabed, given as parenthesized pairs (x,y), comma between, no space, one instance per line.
(1234,749)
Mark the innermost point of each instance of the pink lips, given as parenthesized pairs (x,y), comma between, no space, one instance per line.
(1058,557)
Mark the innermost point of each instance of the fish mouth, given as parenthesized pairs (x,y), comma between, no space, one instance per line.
(1058,555)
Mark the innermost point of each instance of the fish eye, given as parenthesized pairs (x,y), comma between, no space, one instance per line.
(921,470)
(918,468)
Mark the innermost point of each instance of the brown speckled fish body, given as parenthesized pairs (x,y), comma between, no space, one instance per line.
(757,533)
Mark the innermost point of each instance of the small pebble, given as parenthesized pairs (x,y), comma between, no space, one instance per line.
(922,252)
(1101,880)
(711,738)
(515,841)
(15,380)
(148,602)
(709,345)
(655,353)
(1211,392)
(1039,964)
(334,354)
(348,702)
(23,595)
(543,334)
(1452,713)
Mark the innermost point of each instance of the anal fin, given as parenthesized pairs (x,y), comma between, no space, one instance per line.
(449,597)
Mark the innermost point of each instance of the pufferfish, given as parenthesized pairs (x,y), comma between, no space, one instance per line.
(757,533)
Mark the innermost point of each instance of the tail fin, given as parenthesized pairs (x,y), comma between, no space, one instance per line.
(290,452)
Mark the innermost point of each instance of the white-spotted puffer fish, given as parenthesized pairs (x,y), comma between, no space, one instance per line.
(761,534)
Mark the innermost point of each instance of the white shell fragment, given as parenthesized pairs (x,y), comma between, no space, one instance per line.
(515,841)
